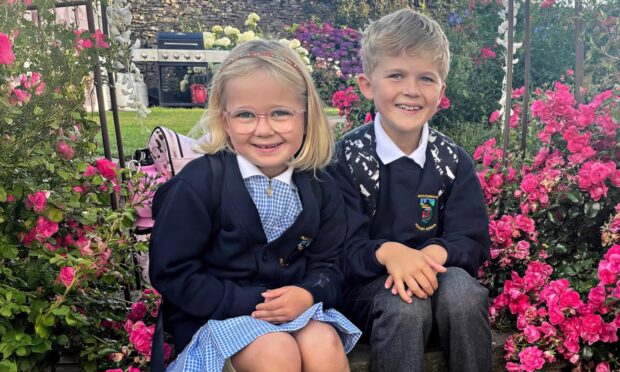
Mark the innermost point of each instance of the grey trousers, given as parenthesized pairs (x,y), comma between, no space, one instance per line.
(398,332)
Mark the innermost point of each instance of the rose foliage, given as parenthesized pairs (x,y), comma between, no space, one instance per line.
(554,269)
(65,253)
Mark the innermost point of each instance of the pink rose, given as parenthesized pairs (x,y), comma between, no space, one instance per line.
(6,50)
(494,116)
(133,369)
(603,367)
(45,228)
(114,370)
(570,298)
(106,168)
(531,333)
(531,359)
(66,152)
(167,351)
(38,200)
(67,275)
(138,310)
(592,326)
(444,104)
(141,337)
(90,171)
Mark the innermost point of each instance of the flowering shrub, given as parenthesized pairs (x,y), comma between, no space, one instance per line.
(130,341)
(550,221)
(65,253)
(333,53)
(226,38)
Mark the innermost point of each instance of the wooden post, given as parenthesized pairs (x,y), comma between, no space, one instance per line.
(526,79)
(579,53)
(509,58)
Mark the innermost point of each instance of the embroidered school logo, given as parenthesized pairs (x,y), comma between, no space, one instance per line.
(427,210)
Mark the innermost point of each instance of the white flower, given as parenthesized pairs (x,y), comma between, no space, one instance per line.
(217,29)
(302,51)
(295,43)
(253,16)
(247,36)
(223,41)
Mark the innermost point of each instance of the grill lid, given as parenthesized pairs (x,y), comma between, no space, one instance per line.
(180,40)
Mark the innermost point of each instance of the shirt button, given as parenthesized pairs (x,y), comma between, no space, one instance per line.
(265,257)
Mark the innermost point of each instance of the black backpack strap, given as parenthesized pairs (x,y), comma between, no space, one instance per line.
(157,351)
(444,153)
(359,153)
(217,176)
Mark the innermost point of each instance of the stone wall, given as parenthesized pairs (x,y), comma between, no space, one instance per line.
(151,16)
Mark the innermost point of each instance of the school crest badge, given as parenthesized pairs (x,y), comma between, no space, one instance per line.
(428,208)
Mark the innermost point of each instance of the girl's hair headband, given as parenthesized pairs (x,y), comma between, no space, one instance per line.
(259,54)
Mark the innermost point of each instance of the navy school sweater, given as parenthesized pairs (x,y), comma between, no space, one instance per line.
(408,213)
(216,268)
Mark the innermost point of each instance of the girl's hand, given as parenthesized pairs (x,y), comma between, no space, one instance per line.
(283,304)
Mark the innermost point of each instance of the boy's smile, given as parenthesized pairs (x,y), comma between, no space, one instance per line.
(406,90)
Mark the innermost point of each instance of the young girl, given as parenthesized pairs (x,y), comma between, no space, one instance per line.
(244,281)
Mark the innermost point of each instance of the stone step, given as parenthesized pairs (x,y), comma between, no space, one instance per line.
(434,361)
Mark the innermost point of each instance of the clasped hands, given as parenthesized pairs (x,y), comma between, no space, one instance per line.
(283,304)
(412,272)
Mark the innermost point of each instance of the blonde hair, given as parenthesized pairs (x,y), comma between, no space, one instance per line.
(285,66)
(405,31)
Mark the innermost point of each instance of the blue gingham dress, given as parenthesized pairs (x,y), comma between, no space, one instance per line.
(220,339)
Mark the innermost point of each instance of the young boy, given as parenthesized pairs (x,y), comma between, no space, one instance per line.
(417,221)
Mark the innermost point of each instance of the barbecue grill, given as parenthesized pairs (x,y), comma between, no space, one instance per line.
(174,53)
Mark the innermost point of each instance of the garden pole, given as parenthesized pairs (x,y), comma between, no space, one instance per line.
(113,102)
(509,57)
(100,100)
(526,79)
(579,54)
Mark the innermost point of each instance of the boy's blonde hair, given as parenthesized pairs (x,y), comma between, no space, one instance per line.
(285,66)
(405,31)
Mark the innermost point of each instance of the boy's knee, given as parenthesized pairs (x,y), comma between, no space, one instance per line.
(460,292)
(404,315)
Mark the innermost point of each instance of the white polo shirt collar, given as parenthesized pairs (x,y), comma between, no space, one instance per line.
(248,170)
(388,151)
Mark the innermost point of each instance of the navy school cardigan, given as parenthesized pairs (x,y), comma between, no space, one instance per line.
(408,213)
(217,268)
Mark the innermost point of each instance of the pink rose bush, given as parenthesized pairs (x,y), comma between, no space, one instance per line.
(135,335)
(65,253)
(553,321)
(555,228)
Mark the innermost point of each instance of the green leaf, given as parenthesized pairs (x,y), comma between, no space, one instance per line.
(8,366)
(64,174)
(591,209)
(575,197)
(2,194)
(55,215)
(37,111)
(8,250)
(62,340)
(42,347)
(22,351)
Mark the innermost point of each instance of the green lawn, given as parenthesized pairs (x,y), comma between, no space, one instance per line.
(135,133)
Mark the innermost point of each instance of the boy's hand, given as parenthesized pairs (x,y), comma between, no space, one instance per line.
(410,271)
(283,304)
